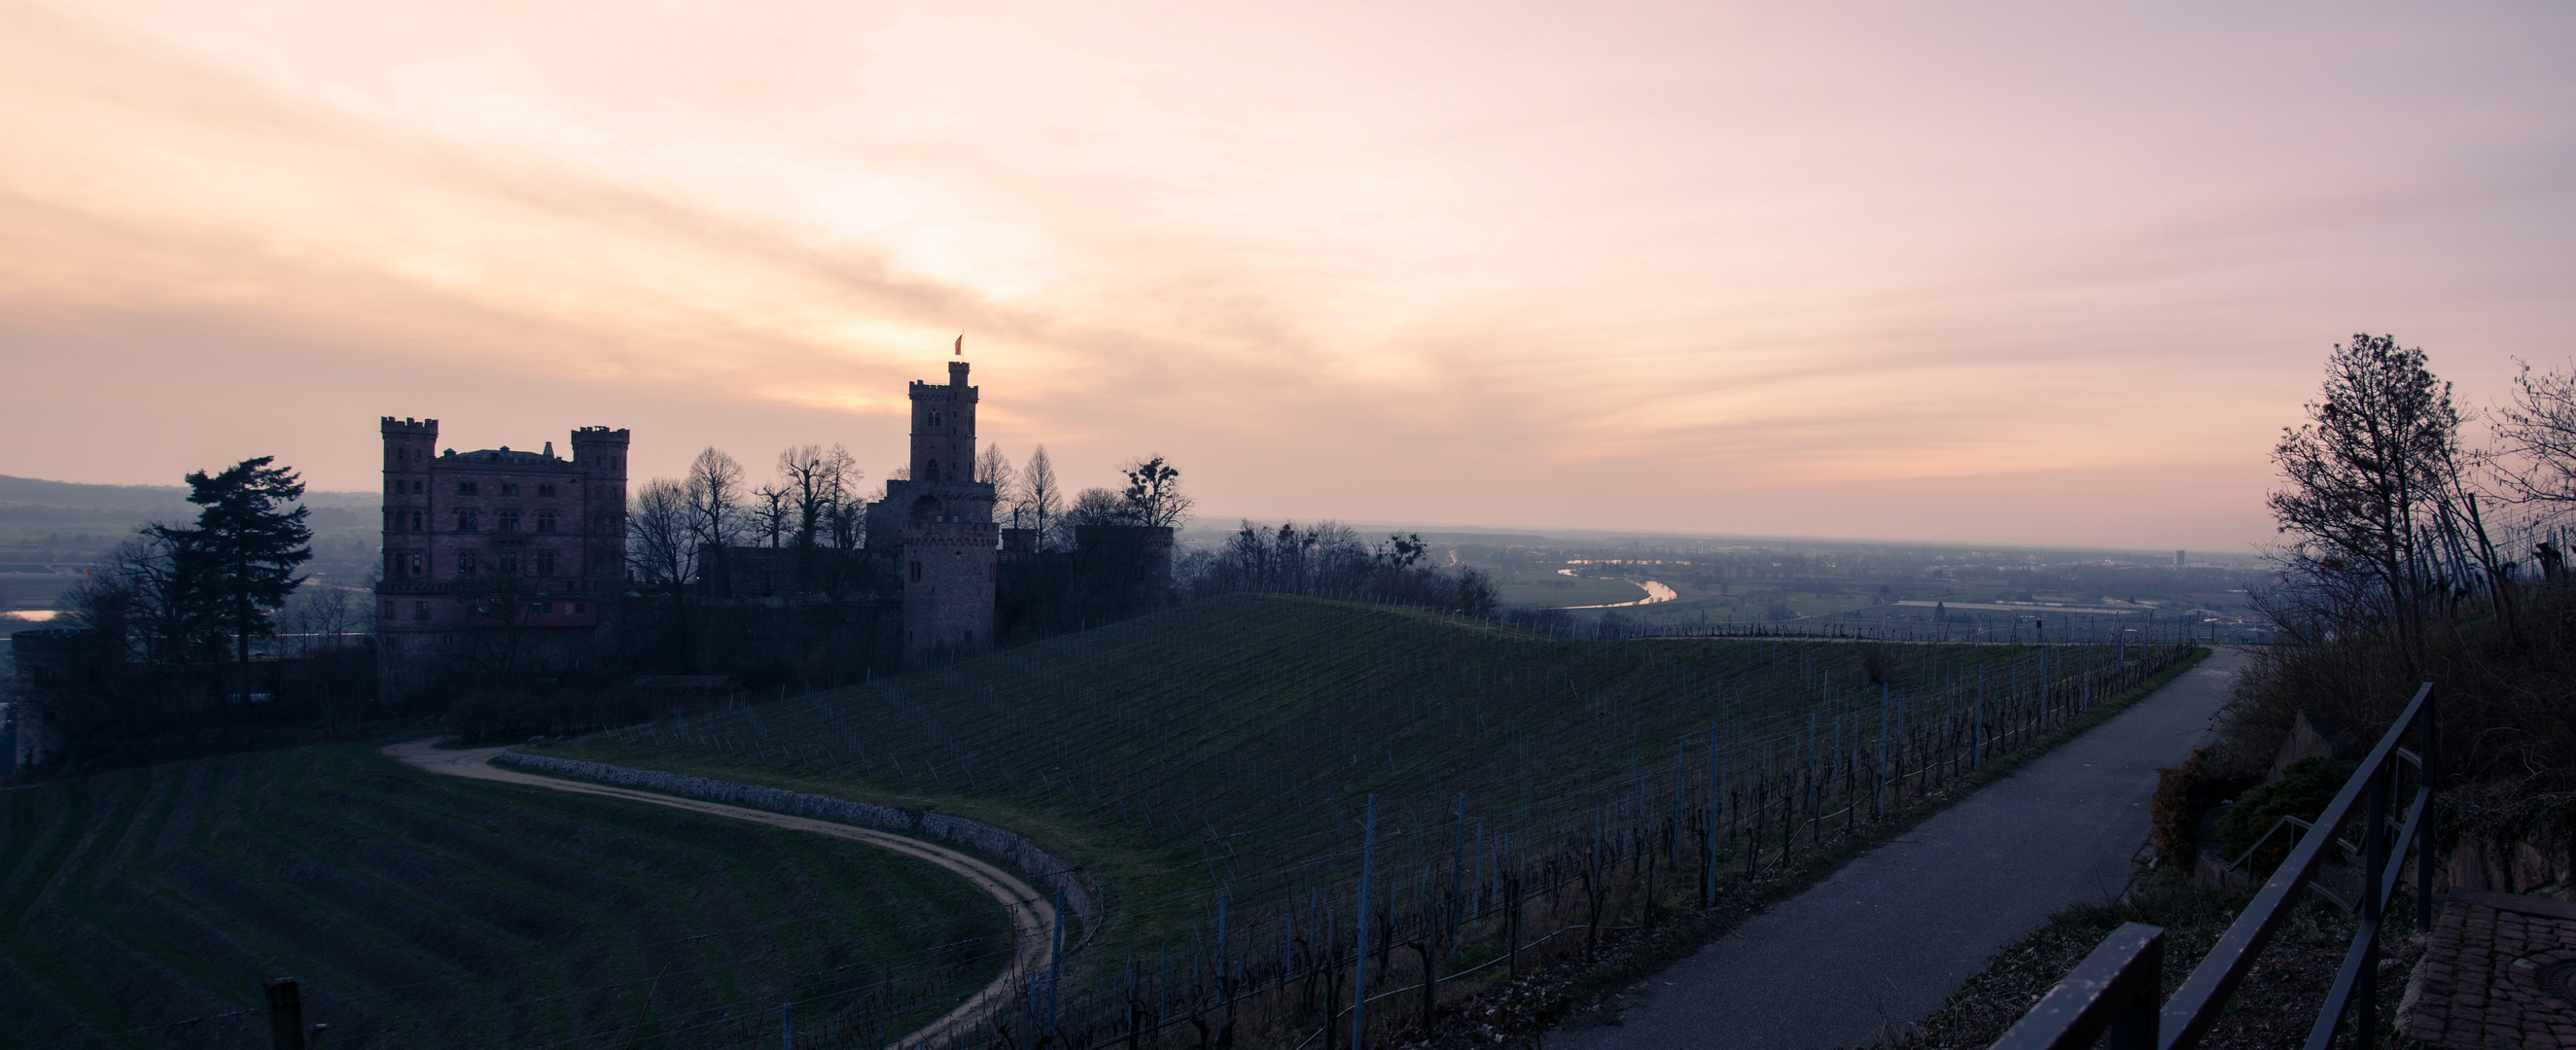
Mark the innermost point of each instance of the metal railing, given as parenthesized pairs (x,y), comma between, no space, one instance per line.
(2115,988)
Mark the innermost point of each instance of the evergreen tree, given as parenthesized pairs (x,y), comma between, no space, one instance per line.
(237,565)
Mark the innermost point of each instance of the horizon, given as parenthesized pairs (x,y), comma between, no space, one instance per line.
(2006,274)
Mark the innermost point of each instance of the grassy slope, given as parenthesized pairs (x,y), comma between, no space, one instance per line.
(423,910)
(1236,738)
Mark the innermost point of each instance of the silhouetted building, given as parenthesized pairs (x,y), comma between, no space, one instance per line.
(940,523)
(506,560)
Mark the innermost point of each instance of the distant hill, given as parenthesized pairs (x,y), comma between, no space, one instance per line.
(146,499)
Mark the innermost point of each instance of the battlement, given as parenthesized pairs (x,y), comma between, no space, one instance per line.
(599,436)
(943,391)
(408,427)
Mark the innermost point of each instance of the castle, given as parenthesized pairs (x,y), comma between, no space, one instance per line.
(498,557)
(515,561)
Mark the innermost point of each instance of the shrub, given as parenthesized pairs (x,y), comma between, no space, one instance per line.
(2302,792)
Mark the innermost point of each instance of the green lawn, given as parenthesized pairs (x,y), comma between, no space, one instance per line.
(422,910)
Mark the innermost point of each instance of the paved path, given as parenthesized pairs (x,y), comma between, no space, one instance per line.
(1886,939)
(1032,915)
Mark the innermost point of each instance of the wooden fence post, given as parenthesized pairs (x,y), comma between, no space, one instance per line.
(285,1015)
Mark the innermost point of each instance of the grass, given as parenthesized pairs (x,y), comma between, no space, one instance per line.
(1231,744)
(420,910)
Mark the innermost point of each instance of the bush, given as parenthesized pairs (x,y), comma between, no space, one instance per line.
(2302,792)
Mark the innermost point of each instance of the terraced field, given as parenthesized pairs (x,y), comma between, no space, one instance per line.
(147,907)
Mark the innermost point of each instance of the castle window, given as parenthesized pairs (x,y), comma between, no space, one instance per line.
(419,563)
(916,572)
(545,563)
(415,521)
(466,521)
(465,488)
(389,610)
(465,563)
(545,521)
(509,521)
(545,490)
(930,470)
(420,610)
(934,417)
(415,487)
(509,488)
(510,563)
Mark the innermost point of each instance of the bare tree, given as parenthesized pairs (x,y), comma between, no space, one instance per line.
(1045,499)
(131,596)
(1153,496)
(771,509)
(2537,432)
(2369,475)
(1093,506)
(714,488)
(819,479)
(993,468)
(657,526)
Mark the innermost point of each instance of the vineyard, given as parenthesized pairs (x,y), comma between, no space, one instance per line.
(146,908)
(1232,774)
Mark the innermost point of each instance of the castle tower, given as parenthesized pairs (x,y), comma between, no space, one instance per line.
(410,446)
(948,540)
(599,454)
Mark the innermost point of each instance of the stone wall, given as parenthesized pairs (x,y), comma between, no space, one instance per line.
(1041,867)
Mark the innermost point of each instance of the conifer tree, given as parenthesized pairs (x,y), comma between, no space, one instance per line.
(236,566)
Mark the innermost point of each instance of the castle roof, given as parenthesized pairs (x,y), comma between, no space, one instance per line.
(504,455)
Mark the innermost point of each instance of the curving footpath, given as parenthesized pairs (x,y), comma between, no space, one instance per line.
(1884,940)
(1032,915)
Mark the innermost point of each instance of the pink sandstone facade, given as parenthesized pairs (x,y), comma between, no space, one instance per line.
(497,556)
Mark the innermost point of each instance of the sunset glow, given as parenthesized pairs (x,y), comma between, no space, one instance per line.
(2020,273)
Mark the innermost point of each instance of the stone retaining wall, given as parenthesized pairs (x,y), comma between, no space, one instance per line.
(1041,867)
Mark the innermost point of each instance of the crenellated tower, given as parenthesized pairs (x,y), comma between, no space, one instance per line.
(410,498)
(941,521)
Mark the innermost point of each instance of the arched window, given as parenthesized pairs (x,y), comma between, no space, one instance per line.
(930,470)
(927,508)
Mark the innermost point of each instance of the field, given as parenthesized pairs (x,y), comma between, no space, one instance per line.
(1547,588)
(418,910)
(1225,751)
(1704,598)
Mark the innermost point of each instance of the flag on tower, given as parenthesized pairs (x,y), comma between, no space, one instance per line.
(961,344)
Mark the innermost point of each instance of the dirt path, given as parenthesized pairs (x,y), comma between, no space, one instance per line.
(1032,915)
(1883,941)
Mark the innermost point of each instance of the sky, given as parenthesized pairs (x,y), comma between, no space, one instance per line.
(2016,273)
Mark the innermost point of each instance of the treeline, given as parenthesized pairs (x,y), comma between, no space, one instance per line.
(681,530)
(1330,560)
(153,657)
